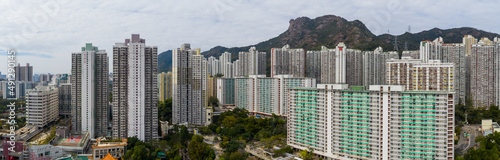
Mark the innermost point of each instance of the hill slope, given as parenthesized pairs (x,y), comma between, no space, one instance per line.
(329,30)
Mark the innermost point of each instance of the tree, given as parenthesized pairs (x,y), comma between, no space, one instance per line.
(165,110)
(236,156)
(229,121)
(213,101)
(282,151)
(137,153)
(197,149)
(307,154)
(184,135)
(218,75)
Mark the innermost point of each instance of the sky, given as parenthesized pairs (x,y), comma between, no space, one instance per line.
(44,33)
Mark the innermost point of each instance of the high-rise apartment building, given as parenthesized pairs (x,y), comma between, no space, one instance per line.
(288,61)
(226,67)
(211,87)
(189,80)
(313,65)
(468,41)
(252,62)
(328,65)
(374,65)
(225,91)
(65,99)
(42,105)
(89,91)
(45,77)
(381,122)
(455,53)
(482,74)
(20,90)
(262,95)
(412,54)
(164,86)
(354,66)
(213,65)
(24,73)
(417,75)
(433,76)
(135,89)
(497,72)
(431,50)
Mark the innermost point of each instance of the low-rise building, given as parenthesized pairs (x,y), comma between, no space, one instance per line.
(116,149)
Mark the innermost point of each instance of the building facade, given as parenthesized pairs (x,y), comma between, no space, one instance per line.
(24,73)
(313,65)
(482,75)
(455,53)
(417,75)
(381,122)
(225,91)
(135,89)
(164,86)
(286,60)
(265,96)
(252,62)
(226,67)
(19,92)
(189,80)
(354,66)
(374,65)
(42,105)
(89,91)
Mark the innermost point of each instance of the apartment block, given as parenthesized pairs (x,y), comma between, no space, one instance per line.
(468,41)
(24,73)
(65,99)
(455,53)
(265,96)
(189,80)
(164,86)
(381,122)
(20,90)
(211,87)
(135,89)
(333,64)
(225,91)
(42,105)
(354,66)
(313,65)
(374,66)
(431,50)
(89,91)
(482,74)
(226,65)
(412,54)
(417,75)
(252,62)
(288,60)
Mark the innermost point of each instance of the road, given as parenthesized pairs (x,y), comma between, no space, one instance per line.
(463,144)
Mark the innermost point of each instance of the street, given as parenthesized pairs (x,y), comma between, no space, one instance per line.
(463,144)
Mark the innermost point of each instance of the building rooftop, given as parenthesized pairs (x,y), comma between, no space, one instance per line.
(101,143)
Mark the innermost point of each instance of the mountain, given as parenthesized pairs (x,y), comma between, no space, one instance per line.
(165,61)
(311,34)
(329,30)
(453,35)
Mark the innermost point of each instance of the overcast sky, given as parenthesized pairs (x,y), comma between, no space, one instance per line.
(46,32)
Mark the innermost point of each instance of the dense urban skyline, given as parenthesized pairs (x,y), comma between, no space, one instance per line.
(49,39)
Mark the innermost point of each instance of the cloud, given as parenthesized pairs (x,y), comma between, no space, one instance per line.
(47,32)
